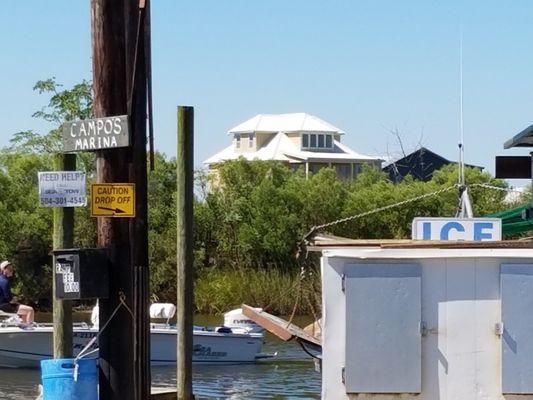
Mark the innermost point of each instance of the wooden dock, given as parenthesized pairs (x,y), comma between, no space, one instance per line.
(281,328)
(163,394)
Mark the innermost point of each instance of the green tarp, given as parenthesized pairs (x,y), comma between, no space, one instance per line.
(513,222)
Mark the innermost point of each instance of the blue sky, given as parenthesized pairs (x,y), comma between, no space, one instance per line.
(368,67)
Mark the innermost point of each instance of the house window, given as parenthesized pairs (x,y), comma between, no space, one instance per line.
(313,141)
(305,141)
(315,167)
(237,141)
(317,141)
(295,167)
(251,141)
(343,170)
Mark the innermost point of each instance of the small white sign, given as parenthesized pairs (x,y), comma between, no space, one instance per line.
(62,189)
(457,229)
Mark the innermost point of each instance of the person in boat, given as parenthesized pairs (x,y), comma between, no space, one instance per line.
(6,298)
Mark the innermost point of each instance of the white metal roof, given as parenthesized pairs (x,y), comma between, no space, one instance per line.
(269,152)
(410,253)
(340,152)
(281,148)
(293,122)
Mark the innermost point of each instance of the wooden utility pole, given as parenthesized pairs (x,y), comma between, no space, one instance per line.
(63,239)
(137,35)
(119,85)
(185,259)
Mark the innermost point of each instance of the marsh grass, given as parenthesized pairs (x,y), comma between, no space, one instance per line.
(276,291)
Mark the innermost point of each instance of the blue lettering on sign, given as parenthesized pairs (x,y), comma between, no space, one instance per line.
(426,231)
(478,230)
(445,231)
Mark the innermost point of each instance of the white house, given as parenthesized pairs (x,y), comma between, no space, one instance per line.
(296,139)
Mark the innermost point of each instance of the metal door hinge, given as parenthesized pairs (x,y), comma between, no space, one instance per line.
(423,329)
(498,328)
(343,283)
(343,375)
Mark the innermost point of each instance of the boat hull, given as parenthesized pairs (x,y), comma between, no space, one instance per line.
(21,348)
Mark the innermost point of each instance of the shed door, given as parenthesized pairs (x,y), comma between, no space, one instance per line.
(383,328)
(517,338)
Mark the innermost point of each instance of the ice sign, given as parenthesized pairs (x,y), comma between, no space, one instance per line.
(457,229)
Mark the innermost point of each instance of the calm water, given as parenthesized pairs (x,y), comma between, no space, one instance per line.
(291,375)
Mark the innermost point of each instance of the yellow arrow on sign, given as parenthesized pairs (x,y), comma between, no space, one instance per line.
(113,200)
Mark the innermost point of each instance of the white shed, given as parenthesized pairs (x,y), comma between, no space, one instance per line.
(427,321)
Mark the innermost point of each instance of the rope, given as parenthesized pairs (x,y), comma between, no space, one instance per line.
(122,303)
(315,316)
(298,294)
(122,299)
(285,293)
(307,351)
(314,229)
(487,186)
(376,210)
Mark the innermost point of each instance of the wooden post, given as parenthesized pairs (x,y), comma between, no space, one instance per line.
(110,77)
(63,239)
(137,36)
(185,259)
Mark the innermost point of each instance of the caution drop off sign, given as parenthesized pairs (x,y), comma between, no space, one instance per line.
(113,200)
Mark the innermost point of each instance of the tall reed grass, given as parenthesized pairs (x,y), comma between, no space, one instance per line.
(278,292)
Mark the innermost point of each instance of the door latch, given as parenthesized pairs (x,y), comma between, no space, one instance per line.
(498,328)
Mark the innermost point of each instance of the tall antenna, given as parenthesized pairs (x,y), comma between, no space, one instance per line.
(461,127)
(465,207)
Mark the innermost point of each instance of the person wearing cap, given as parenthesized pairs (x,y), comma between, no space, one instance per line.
(6,298)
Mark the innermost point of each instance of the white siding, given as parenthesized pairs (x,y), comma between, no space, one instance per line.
(461,354)
(517,317)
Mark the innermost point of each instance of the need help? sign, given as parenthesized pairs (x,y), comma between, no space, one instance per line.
(457,229)
(62,189)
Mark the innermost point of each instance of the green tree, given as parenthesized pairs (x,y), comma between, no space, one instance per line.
(162,228)
(27,228)
(249,216)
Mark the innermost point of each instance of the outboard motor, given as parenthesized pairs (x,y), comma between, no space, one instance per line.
(162,310)
(236,319)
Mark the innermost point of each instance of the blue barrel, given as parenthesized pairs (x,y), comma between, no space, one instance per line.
(62,380)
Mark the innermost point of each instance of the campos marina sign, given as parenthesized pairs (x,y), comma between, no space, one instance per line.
(96,134)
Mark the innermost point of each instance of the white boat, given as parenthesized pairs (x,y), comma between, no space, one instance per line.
(24,347)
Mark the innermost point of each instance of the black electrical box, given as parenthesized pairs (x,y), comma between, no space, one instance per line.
(81,273)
